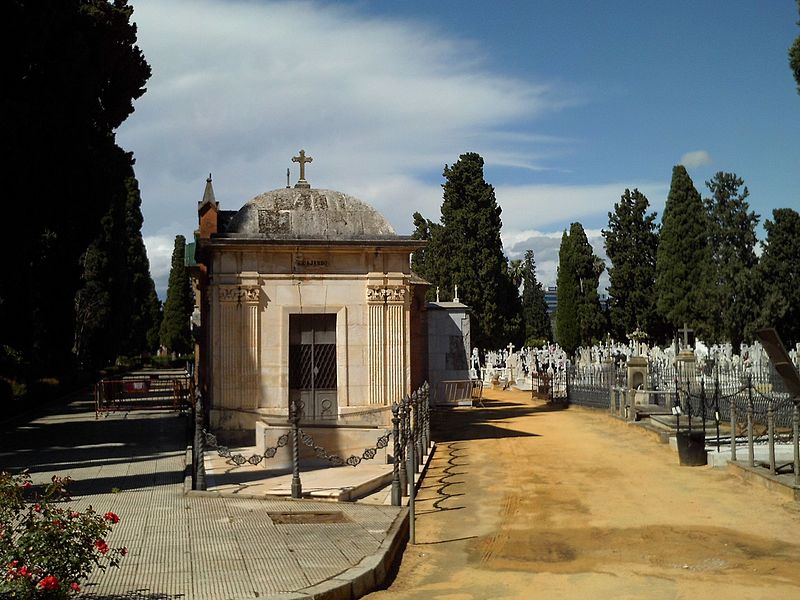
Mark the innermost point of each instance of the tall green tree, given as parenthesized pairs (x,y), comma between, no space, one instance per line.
(779,274)
(732,240)
(465,250)
(71,72)
(683,258)
(631,244)
(175,328)
(117,310)
(534,306)
(567,326)
(579,317)
(794,56)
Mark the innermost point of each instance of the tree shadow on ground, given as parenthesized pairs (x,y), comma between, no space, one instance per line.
(479,423)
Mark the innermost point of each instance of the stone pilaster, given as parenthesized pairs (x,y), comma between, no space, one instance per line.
(387,355)
(251,346)
(396,343)
(376,345)
(237,361)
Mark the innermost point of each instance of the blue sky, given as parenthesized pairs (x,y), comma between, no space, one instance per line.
(569,103)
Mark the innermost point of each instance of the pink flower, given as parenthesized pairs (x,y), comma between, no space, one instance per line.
(26,485)
(74,586)
(101,546)
(111,517)
(37,507)
(48,583)
(13,563)
(74,515)
(24,571)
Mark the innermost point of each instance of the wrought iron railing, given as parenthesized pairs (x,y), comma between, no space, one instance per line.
(411,422)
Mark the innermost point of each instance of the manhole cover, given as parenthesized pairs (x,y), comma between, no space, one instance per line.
(308,517)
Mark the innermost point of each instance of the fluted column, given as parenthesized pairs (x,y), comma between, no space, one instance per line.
(229,359)
(251,347)
(387,342)
(376,304)
(395,343)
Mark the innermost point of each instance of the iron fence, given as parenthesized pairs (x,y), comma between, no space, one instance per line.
(411,434)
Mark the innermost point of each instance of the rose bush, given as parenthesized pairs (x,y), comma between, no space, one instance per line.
(46,548)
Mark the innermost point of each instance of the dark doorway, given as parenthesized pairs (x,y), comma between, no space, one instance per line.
(312,365)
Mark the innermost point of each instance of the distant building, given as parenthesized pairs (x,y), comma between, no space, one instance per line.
(551,297)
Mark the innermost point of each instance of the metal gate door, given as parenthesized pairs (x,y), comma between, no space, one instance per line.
(312,365)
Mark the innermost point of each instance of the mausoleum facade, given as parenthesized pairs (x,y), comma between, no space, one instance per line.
(305,295)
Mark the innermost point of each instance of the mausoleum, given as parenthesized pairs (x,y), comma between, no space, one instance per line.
(305,295)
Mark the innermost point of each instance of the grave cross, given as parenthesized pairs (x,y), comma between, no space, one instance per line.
(685,331)
(302,159)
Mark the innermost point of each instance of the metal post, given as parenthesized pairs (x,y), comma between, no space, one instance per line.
(751,457)
(734,428)
(418,426)
(426,409)
(411,493)
(397,492)
(771,435)
(297,487)
(716,407)
(796,440)
(703,405)
(403,414)
(199,446)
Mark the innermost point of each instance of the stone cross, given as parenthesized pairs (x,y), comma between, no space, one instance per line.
(685,331)
(302,159)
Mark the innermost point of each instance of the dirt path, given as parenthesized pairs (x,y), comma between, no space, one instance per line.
(526,502)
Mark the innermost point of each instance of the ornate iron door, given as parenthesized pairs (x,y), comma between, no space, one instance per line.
(312,365)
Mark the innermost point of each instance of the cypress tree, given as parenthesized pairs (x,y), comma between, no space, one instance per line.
(567,328)
(144,316)
(466,250)
(683,258)
(89,48)
(534,306)
(175,328)
(116,307)
(732,239)
(579,318)
(588,268)
(631,241)
(779,274)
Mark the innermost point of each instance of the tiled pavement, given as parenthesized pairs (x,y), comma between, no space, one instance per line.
(203,547)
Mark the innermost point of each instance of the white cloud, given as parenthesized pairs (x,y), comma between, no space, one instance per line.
(545,246)
(159,253)
(534,206)
(696,158)
(239,87)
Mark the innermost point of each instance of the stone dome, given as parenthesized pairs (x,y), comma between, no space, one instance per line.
(307,213)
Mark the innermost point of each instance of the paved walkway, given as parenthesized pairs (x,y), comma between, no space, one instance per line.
(203,547)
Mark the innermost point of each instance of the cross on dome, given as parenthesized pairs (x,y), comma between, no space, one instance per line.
(302,159)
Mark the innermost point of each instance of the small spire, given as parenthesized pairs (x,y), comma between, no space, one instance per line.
(455,294)
(208,193)
(287,178)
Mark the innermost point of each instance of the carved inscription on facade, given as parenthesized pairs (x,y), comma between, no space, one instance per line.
(312,262)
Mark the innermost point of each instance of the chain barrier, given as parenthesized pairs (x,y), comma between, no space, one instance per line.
(338,461)
(239,459)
